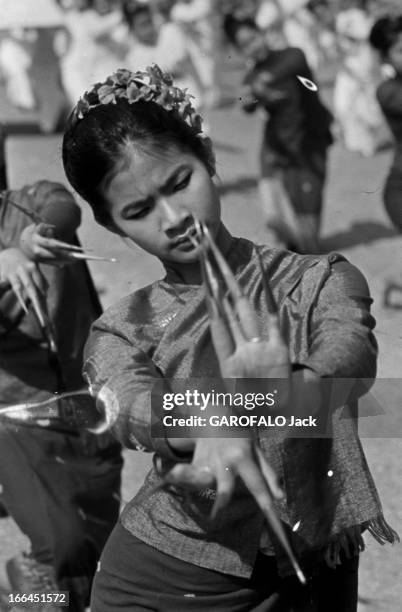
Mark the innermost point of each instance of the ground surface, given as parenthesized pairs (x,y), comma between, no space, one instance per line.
(354,224)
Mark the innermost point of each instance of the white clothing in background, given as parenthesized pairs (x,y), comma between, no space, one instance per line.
(298,26)
(15,62)
(200,21)
(355,104)
(30,14)
(88,59)
(171,53)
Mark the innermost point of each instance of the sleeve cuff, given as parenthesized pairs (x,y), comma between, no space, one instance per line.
(163,448)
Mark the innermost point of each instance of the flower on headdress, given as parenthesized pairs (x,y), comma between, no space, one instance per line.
(122,76)
(164,99)
(155,74)
(149,85)
(147,93)
(107,94)
(82,108)
(91,97)
(176,94)
(133,92)
(185,108)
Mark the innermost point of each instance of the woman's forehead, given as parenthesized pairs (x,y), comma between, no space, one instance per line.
(142,171)
(153,162)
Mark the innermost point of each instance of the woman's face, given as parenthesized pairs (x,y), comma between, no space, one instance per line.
(395,55)
(251,43)
(154,198)
(144,29)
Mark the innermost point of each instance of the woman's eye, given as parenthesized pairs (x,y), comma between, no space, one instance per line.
(138,214)
(182,184)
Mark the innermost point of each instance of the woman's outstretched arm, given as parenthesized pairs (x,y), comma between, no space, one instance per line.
(123,379)
(342,343)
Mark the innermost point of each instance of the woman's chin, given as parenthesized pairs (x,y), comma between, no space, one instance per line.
(183,255)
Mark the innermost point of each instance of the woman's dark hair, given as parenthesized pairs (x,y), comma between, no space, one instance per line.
(93,147)
(384,34)
(232,24)
(132,8)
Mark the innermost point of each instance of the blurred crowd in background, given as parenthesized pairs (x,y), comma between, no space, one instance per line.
(347,55)
(47,66)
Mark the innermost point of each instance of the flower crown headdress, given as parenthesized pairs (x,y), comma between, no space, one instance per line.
(149,85)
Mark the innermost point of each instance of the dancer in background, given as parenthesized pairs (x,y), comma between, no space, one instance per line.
(201,23)
(386,38)
(153,40)
(140,160)
(87,48)
(297,26)
(59,483)
(355,105)
(296,137)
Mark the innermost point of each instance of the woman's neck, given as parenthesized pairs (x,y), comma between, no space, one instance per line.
(190,274)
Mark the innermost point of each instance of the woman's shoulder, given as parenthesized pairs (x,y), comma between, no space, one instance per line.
(287,271)
(133,310)
(283,262)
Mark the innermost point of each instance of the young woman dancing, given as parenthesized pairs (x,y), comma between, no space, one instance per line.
(134,150)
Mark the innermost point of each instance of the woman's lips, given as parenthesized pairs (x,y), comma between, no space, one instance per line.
(187,236)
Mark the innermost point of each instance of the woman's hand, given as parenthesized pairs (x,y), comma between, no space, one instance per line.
(262,88)
(24,278)
(241,350)
(218,462)
(39,245)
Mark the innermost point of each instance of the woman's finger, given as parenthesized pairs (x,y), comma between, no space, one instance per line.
(225,483)
(32,283)
(247,318)
(255,482)
(221,338)
(274,330)
(16,287)
(47,256)
(38,279)
(57,245)
(269,474)
(86,257)
(223,266)
(233,322)
(54,257)
(190,477)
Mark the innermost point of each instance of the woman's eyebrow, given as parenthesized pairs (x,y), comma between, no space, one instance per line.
(165,187)
(127,208)
(173,176)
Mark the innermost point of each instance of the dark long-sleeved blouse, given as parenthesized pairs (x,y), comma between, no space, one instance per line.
(162,331)
(298,122)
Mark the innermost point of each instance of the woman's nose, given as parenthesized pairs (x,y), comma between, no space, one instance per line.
(173,218)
